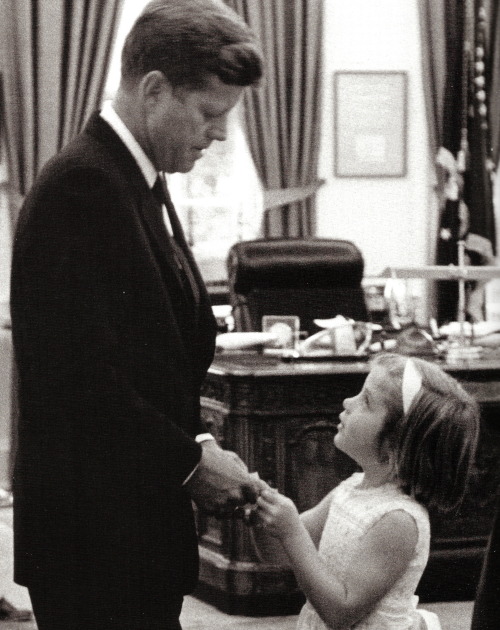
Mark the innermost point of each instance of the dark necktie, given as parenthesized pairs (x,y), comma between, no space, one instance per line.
(177,241)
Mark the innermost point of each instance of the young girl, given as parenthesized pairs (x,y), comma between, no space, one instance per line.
(359,554)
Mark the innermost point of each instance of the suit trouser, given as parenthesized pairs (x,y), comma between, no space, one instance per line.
(64,607)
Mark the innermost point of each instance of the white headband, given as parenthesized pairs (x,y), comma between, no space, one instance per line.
(412,382)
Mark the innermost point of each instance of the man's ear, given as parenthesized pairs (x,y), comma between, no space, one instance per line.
(155,86)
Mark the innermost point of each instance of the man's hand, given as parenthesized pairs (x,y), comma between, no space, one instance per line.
(221,482)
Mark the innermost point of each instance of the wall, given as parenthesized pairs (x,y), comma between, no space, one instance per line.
(388,218)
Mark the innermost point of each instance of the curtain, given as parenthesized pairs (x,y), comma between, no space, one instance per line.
(432,28)
(457,44)
(55,57)
(494,77)
(283,116)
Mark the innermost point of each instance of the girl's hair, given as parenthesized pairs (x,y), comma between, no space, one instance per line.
(435,442)
(189,40)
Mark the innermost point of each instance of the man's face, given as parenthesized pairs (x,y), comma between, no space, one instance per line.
(184,122)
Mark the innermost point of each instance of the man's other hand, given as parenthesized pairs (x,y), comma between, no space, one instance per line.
(221,482)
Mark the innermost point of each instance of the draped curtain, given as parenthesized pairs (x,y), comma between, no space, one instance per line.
(494,78)
(55,58)
(460,54)
(433,39)
(54,62)
(283,116)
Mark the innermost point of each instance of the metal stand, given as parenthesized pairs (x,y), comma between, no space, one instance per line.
(460,348)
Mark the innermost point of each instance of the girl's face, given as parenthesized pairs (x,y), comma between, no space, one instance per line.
(364,418)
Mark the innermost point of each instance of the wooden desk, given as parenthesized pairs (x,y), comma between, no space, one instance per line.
(281,419)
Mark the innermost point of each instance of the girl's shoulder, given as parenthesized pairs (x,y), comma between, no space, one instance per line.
(373,503)
(395,498)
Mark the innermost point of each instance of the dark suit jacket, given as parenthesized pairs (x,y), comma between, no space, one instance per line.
(486,612)
(111,352)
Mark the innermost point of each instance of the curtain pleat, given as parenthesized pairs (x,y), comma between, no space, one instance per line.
(72,50)
(17,84)
(283,116)
(494,82)
(95,29)
(89,37)
(48,31)
(57,56)
(433,58)
(433,39)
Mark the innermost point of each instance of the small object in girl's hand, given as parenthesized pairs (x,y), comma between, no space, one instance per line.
(246,513)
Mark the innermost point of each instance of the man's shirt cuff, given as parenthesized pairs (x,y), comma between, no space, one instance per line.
(201,437)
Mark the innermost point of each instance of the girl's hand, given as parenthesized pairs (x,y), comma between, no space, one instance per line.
(277,514)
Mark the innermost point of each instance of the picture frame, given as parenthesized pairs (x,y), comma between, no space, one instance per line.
(286,327)
(370,123)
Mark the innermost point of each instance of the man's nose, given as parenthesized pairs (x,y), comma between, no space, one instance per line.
(218,129)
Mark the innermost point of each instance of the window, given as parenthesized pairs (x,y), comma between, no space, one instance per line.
(220,201)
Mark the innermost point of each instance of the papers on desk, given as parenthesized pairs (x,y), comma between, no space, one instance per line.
(479,329)
(339,321)
(245,340)
(479,336)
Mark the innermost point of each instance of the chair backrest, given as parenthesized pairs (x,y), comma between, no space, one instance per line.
(311,278)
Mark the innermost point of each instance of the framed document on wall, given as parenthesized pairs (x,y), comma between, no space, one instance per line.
(370,124)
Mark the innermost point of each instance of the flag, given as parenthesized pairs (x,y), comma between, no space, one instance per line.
(467,210)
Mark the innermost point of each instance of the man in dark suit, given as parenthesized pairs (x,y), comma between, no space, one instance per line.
(486,612)
(113,334)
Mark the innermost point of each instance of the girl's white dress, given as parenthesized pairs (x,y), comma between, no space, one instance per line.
(353,511)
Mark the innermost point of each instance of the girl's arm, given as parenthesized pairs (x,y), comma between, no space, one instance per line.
(383,554)
(314,519)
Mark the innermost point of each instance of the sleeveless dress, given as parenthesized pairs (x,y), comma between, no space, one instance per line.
(353,511)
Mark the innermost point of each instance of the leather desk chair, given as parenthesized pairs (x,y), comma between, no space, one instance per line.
(311,278)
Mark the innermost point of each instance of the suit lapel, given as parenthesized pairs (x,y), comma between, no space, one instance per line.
(148,209)
(195,279)
(151,215)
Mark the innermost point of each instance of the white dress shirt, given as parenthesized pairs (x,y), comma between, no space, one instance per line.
(143,162)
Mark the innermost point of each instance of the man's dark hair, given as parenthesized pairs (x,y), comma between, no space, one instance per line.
(187,40)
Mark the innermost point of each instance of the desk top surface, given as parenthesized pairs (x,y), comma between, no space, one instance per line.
(258,365)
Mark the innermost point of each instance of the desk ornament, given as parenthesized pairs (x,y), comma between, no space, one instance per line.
(342,339)
(238,341)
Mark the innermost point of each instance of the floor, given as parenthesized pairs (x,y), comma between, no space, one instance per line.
(198,615)
(201,616)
